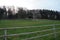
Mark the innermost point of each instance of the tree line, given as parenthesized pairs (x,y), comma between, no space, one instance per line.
(29,14)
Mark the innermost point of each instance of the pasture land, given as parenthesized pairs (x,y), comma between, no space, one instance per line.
(36,29)
(23,23)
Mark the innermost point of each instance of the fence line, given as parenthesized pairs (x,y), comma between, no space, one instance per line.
(25,33)
(38,36)
(27,27)
(6,29)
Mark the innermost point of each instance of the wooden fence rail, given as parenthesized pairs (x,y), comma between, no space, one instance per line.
(6,29)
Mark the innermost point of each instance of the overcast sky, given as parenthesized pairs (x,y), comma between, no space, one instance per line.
(33,4)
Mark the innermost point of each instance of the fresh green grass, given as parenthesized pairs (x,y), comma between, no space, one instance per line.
(19,23)
(24,23)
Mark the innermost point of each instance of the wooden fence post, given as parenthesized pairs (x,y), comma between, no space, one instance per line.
(54,30)
(5,34)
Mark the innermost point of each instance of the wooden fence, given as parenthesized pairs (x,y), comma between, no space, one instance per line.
(5,36)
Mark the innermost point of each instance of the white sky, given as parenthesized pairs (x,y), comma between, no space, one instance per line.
(33,4)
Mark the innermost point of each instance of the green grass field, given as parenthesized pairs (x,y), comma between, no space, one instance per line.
(19,23)
(24,23)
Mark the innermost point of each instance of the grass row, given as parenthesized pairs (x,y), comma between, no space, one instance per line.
(19,23)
